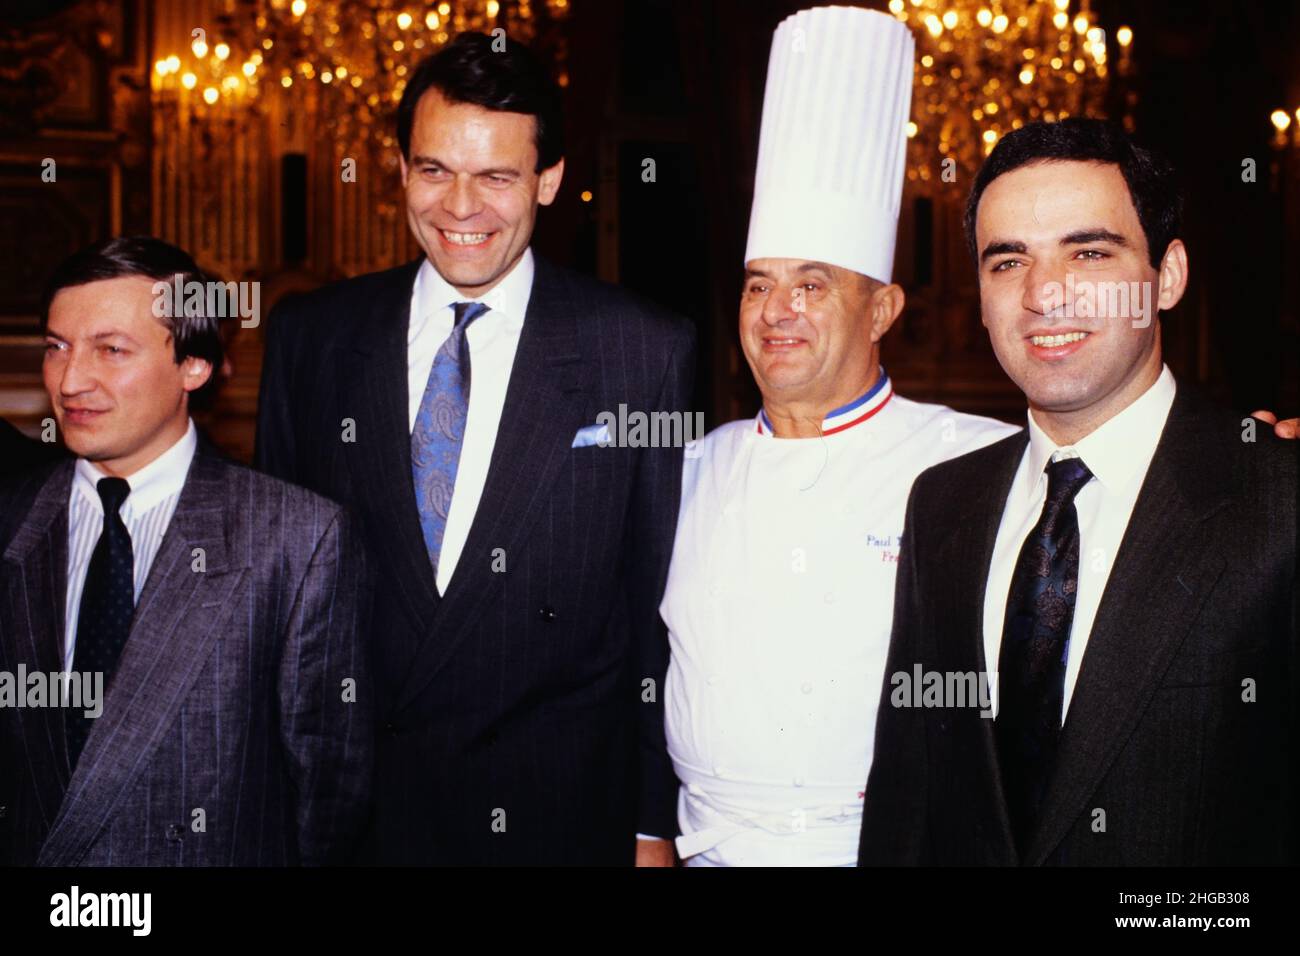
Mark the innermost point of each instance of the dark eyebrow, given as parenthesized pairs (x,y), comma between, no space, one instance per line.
(815,267)
(1001,247)
(51,334)
(494,171)
(805,267)
(1085,236)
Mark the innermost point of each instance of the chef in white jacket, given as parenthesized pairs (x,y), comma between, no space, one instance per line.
(780,593)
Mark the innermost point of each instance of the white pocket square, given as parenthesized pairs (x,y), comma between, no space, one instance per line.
(591,435)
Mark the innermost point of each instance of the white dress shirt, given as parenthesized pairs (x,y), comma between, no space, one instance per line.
(493,339)
(779,605)
(147,512)
(1118,455)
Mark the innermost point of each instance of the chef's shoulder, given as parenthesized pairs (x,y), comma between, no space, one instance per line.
(942,433)
(715,451)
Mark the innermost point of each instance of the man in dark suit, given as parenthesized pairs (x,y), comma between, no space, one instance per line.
(1126,564)
(522,548)
(211,617)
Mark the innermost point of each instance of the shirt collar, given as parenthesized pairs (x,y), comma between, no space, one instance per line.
(1120,449)
(846,416)
(508,298)
(161,478)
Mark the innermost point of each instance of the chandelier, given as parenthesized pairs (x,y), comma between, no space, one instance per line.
(986,67)
(345,62)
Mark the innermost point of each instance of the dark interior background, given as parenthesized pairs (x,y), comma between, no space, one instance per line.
(680,82)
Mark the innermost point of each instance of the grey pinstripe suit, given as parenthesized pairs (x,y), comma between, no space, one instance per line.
(228,697)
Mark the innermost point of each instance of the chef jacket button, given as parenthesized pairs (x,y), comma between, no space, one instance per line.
(547,614)
(713,679)
(798,781)
(806,687)
(717,590)
(720,773)
(830,597)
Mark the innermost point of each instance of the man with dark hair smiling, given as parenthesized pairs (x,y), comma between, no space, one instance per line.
(520,653)
(222,610)
(1126,564)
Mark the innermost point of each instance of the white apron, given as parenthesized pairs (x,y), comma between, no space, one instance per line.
(779,606)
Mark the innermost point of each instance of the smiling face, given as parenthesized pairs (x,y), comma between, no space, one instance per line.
(811,331)
(1068,293)
(471,190)
(119,396)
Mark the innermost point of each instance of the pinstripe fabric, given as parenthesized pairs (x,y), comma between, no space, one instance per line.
(148,510)
(1160,736)
(514,700)
(225,737)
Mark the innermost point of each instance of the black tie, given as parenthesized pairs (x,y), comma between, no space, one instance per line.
(107,603)
(1035,645)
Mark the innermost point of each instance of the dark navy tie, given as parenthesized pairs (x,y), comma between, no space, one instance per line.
(107,604)
(440,430)
(1035,645)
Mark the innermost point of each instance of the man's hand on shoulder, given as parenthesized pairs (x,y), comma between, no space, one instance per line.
(1286,428)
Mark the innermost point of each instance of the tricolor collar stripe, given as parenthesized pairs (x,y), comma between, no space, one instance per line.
(884,400)
(880,385)
(854,413)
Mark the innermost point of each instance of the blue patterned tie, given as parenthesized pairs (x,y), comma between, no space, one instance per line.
(440,429)
(1035,645)
(107,604)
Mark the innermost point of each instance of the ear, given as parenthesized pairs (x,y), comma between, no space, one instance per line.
(886,306)
(401,164)
(1173,275)
(195,372)
(549,183)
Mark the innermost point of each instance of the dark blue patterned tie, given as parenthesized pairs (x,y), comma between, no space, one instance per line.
(1035,645)
(440,430)
(107,604)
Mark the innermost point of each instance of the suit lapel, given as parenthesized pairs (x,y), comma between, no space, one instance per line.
(36,571)
(1163,572)
(178,618)
(543,410)
(374,376)
(969,551)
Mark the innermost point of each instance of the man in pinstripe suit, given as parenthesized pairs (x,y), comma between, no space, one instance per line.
(519,651)
(224,610)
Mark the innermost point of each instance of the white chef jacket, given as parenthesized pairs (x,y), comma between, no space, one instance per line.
(779,606)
